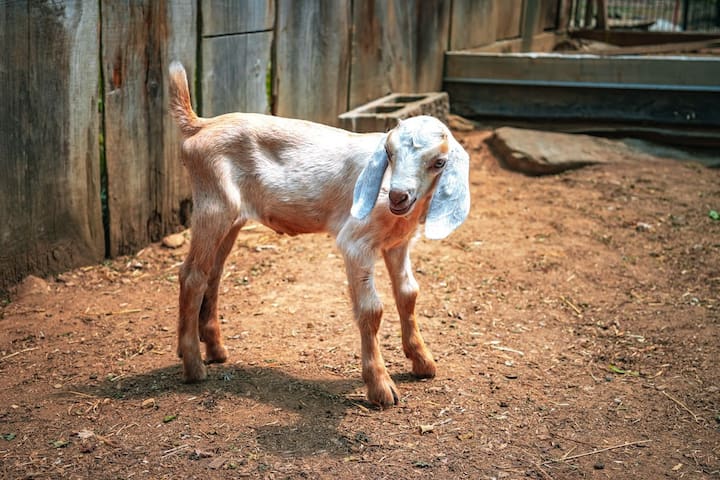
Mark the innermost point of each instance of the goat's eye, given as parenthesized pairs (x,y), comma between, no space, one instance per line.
(439,163)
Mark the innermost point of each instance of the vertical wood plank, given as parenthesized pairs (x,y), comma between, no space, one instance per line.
(148,192)
(235,73)
(226,17)
(509,15)
(398,46)
(50,219)
(472,23)
(530,21)
(312,59)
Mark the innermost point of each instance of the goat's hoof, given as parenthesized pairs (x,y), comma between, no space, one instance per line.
(383,395)
(216,354)
(424,368)
(194,373)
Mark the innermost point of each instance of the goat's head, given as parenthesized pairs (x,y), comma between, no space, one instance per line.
(424,159)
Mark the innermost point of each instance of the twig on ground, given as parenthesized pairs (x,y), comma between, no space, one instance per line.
(544,473)
(175,450)
(30,349)
(600,450)
(507,349)
(572,305)
(695,417)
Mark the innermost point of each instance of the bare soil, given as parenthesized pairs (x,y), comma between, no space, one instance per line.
(575,319)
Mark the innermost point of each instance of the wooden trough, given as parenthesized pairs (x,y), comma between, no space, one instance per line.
(661,94)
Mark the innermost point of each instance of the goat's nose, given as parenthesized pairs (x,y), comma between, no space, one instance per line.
(398,197)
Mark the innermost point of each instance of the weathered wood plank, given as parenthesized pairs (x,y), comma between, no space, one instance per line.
(550,15)
(50,214)
(235,73)
(148,193)
(223,17)
(542,42)
(680,91)
(530,23)
(397,46)
(630,38)
(545,103)
(472,23)
(585,68)
(312,59)
(508,18)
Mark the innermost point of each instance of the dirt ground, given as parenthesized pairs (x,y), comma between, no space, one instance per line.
(575,319)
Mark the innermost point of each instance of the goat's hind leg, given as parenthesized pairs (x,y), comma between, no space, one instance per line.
(405,291)
(209,327)
(195,275)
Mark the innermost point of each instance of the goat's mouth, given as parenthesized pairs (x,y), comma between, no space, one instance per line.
(403,208)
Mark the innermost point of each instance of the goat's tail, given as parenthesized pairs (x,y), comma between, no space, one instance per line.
(180,104)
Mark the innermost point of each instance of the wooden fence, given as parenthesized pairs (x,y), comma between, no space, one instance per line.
(88,154)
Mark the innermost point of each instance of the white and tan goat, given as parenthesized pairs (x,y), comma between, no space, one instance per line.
(370,191)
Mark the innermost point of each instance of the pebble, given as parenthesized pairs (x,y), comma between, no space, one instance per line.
(176,240)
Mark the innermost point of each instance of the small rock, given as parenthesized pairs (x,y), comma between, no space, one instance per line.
(599,466)
(176,240)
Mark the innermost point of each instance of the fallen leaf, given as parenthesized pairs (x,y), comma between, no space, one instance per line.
(677,467)
(60,443)
(9,436)
(621,371)
(169,418)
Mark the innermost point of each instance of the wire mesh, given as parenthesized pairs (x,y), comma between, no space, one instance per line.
(652,15)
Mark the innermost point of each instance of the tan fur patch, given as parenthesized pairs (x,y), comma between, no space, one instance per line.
(444,146)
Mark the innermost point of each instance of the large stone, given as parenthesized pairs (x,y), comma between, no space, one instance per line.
(535,152)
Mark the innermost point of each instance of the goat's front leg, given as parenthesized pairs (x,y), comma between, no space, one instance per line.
(381,390)
(405,290)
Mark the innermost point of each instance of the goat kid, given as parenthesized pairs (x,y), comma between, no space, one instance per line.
(370,191)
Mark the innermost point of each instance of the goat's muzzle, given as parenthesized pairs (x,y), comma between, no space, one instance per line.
(401,201)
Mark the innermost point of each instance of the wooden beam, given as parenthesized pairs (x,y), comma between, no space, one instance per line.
(531,14)
(602,16)
(630,38)
(677,91)
(669,71)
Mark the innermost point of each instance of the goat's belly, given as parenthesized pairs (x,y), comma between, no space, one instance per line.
(293,226)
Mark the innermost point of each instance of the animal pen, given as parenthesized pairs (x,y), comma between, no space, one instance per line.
(90,157)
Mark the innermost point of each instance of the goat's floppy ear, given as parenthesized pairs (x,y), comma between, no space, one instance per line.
(450,203)
(367,186)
